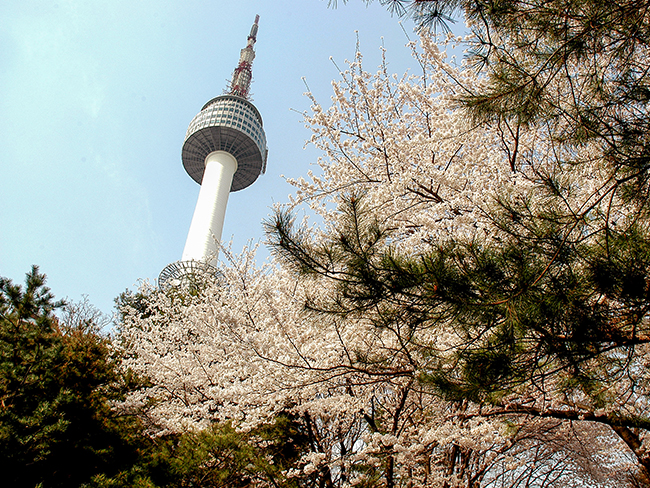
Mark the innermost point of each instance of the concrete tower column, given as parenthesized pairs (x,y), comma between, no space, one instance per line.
(207,222)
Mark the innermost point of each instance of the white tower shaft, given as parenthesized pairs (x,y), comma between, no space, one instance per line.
(207,223)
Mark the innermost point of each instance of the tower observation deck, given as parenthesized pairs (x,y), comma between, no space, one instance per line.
(224,150)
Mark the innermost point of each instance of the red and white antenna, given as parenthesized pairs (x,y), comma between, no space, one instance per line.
(243,74)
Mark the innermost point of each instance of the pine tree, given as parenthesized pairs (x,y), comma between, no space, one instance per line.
(57,383)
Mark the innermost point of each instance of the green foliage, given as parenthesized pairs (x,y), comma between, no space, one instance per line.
(56,384)
(526,310)
(218,456)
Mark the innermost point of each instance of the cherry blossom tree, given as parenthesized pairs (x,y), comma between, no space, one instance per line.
(365,327)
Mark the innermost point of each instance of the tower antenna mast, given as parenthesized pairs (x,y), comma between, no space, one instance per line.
(243,74)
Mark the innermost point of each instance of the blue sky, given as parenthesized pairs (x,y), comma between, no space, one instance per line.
(95,99)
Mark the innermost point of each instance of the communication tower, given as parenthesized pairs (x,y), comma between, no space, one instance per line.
(224,150)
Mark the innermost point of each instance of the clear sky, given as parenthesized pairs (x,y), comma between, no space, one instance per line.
(95,99)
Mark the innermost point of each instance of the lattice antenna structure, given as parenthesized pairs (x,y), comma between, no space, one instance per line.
(224,150)
(243,74)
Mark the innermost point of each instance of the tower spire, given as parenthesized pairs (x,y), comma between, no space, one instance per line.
(241,77)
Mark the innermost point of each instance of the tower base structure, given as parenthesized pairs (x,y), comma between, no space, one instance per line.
(187,275)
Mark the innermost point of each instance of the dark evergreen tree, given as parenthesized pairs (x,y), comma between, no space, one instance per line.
(57,382)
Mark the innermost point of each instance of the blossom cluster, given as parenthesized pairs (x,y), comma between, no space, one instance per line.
(245,349)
